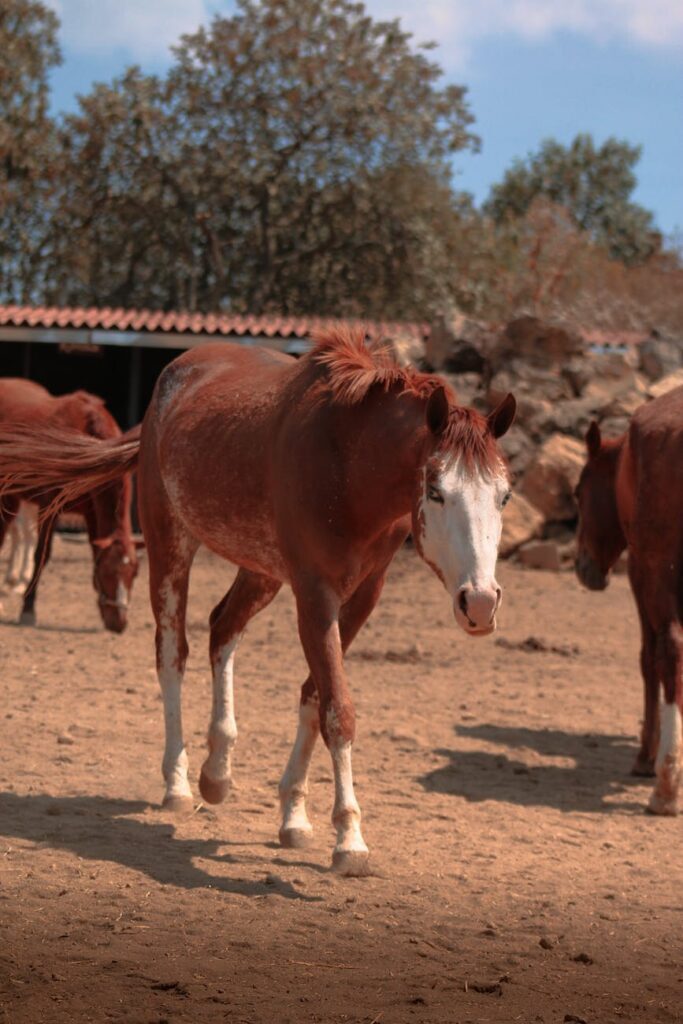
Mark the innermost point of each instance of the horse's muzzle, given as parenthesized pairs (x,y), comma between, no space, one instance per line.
(475,610)
(589,572)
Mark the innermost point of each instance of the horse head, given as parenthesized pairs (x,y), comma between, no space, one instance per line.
(600,538)
(462,489)
(115,569)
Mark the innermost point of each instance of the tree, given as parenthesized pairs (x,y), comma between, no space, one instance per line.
(295,158)
(595,186)
(29,49)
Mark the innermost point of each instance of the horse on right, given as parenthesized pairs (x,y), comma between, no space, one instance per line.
(630,496)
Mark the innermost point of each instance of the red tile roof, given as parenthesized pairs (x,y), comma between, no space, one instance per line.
(220,324)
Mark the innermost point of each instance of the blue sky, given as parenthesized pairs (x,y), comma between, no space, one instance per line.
(534,68)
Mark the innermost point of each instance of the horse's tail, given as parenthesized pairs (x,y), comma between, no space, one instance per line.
(61,463)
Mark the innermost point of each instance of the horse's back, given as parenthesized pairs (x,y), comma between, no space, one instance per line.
(22,399)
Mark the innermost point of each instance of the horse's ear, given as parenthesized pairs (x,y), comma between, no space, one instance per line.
(438,411)
(593,439)
(500,420)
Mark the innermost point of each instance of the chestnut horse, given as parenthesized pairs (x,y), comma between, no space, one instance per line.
(307,473)
(29,406)
(630,495)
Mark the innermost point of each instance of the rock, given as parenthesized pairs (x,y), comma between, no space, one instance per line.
(668,383)
(521,522)
(408,349)
(537,343)
(518,449)
(552,475)
(659,356)
(571,417)
(540,554)
(466,386)
(458,345)
(613,375)
(528,384)
(614,426)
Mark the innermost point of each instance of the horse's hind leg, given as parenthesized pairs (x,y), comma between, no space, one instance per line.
(248,594)
(296,829)
(29,531)
(170,553)
(669,763)
(42,557)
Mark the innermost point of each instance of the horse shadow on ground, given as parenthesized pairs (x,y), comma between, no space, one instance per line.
(99,829)
(594,782)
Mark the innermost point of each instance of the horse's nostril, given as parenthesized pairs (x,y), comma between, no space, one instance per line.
(462,601)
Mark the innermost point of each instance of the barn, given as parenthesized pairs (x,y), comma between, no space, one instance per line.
(119,353)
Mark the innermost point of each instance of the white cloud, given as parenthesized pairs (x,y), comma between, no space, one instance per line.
(456,24)
(144,28)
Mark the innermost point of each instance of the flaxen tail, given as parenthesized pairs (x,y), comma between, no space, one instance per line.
(62,464)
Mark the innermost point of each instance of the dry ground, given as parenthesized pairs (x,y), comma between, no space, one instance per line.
(517,878)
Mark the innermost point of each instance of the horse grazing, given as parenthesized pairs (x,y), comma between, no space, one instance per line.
(26,407)
(307,473)
(630,495)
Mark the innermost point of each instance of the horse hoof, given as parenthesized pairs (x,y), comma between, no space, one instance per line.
(643,767)
(27,619)
(662,806)
(351,863)
(178,804)
(295,838)
(214,791)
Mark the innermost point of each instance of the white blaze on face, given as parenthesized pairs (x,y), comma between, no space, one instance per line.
(461,515)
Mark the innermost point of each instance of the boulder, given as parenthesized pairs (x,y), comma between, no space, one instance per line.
(408,349)
(659,356)
(552,475)
(537,343)
(668,383)
(467,387)
(540,554)
(518,448)
(521,522)
(614,374)
(458,345)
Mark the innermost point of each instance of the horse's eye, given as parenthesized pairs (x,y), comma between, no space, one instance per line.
(434,495)
(506,498)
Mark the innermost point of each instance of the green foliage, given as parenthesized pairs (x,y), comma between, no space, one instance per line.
(593,184)
(28,32)
(295,159)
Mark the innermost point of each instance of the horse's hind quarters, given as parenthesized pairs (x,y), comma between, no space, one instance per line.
(475,609)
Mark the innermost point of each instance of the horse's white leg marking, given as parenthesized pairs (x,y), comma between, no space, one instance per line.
(15,554)
(216,774)
(668,766)
(296,828)
(28,514)
(170,673)
(350,849)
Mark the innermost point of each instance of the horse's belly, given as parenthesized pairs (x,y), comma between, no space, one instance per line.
(249,542)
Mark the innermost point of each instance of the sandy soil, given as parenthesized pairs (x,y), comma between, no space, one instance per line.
(516,875)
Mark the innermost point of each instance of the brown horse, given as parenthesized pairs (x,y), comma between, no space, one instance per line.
(305,473)
(107,511)
(630,495)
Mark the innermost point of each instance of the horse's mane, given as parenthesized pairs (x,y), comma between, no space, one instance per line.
(355,366)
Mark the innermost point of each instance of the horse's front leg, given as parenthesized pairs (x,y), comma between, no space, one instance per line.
(318,613)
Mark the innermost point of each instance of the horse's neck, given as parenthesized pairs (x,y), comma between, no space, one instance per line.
(110,511)
(386,452)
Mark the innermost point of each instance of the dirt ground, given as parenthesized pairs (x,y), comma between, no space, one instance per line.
(516,875)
